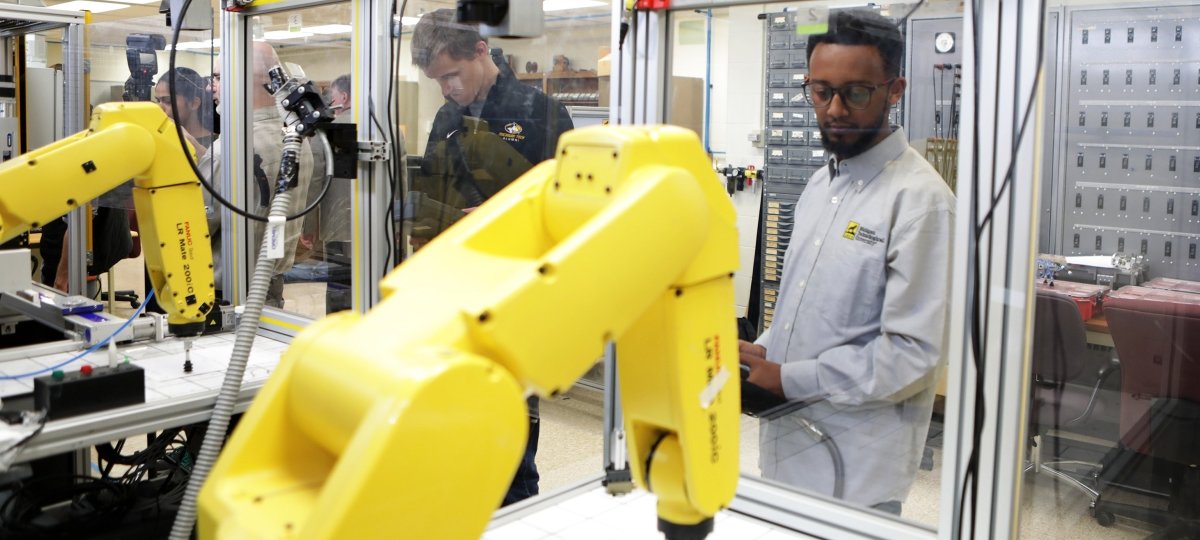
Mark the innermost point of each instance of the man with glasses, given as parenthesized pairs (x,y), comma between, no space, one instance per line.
(858,326)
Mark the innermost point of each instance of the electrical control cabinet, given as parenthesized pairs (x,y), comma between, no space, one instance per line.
(1131,149)
(933,69)
(793,150)
(792,153)
(793,142)
(778,216)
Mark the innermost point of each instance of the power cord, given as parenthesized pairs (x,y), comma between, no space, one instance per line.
(396,169)
(175,28)
(89,350)
(978,303)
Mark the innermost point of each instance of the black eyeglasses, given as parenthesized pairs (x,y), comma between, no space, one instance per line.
(854,96)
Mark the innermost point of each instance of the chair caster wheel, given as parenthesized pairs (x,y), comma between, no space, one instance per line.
(1105,519)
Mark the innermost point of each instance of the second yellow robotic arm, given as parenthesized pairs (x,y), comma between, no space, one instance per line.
(125,140)
(409,421)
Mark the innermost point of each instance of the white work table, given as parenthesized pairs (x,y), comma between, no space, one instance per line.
(173,398)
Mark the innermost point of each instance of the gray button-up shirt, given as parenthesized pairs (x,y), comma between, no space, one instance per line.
(859,323)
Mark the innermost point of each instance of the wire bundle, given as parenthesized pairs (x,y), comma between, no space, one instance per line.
(144,486)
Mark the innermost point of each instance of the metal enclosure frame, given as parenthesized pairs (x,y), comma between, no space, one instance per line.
(74,116)
(1007,76)
(644,65)
(371,62)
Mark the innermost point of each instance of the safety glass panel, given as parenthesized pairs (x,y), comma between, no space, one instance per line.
(477,113)
(843,280)
(312,272)
(1114,409)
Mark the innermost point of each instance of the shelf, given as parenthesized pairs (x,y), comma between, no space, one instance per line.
(580,87)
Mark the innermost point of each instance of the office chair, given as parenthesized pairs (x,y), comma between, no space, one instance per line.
(1058,357)
(1158,342)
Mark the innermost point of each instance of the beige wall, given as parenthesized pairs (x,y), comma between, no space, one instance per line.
(109,68)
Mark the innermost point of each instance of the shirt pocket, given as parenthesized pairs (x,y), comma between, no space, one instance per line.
(861,269)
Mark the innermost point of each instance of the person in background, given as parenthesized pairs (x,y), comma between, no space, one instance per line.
(267,140)
(339,95)
(861,313)
(331,233)
(491,129)
(192,105)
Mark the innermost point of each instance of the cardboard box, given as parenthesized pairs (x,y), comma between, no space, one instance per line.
(604,64)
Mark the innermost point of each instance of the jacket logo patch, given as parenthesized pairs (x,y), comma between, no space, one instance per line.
(855,231)
(512,132)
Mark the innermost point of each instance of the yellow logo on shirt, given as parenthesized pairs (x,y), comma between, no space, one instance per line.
(851,230)
(855,231)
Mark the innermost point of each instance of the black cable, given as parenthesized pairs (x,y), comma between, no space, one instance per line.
(937,124)
(175,27)
(396,169)
(88,509)
(973,286)
(977,304)
(987,218)
(646,79)
(955,97)
(621,55)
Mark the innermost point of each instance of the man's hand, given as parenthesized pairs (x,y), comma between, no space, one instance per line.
(60,275)
(763,372)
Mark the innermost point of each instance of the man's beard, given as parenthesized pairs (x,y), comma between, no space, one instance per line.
(866,138)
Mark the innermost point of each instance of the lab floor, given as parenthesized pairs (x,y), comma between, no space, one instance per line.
(570,451)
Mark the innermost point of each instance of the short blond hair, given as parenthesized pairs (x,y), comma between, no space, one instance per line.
(437,32)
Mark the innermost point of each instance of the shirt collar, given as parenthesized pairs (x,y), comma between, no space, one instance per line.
(867,165)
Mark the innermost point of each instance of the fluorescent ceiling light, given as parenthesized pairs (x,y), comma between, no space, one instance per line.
(329,29)
(136,1)
(88,5)
(207,44)
(408,20)
(279,35)
(563,5)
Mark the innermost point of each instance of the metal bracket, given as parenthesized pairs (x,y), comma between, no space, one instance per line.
(373,151)
(348,151)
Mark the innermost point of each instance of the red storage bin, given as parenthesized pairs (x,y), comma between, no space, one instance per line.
(1086,295)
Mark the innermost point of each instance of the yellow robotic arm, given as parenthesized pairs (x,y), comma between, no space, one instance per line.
(409,422)
(125,140)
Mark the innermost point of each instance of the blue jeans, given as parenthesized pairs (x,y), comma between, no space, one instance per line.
(525,482)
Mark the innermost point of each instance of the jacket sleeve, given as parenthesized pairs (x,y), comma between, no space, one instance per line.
(558,121)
